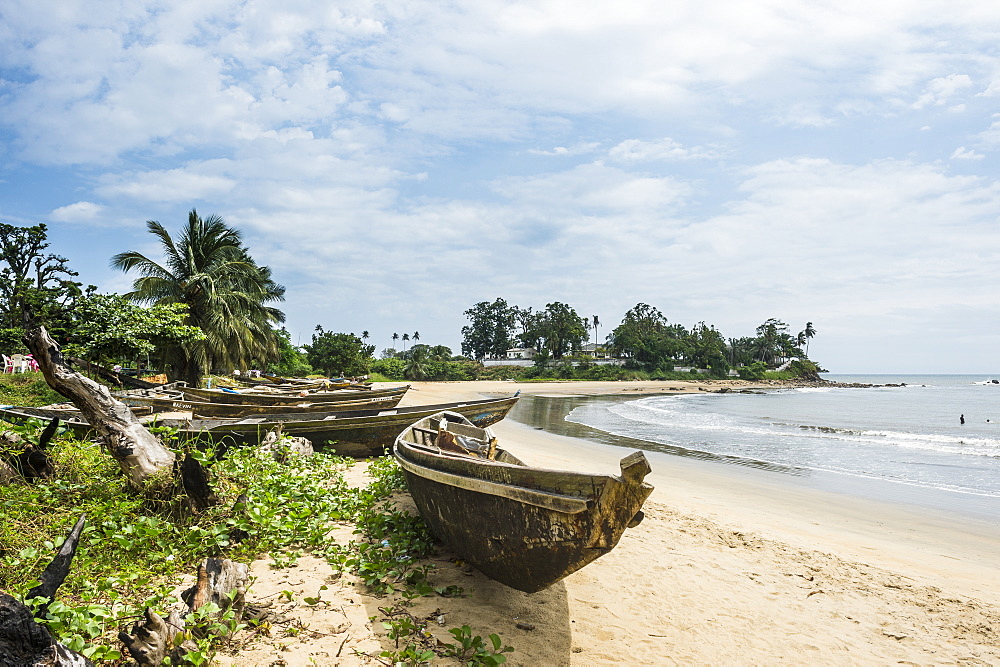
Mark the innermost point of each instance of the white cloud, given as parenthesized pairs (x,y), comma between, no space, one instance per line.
(961,153)
(577,149)
(173,185)
(635,150)
(942,89)
(81,211)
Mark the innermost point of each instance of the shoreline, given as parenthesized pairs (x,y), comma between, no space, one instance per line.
(731,565)
(927,549)
(780,499)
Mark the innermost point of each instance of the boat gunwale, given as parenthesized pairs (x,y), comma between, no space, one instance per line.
(565,504)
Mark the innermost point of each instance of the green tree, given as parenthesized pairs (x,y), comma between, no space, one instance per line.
(773,343)
(648,339)
(706,348)
(110,327)
(292,362)
(490,330)
(561,329)
(810,333)
(530,324)
(440,353)
(34,284)
(741,351)
(418,366)
(339,353)
(208,269)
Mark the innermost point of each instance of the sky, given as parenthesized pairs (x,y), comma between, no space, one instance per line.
(396,163)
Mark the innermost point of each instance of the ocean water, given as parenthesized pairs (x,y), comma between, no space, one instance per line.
(904,443)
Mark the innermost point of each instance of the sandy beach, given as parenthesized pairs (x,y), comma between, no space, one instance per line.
(730,566)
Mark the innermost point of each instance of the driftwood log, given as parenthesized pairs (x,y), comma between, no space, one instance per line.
(26,460)
(154,639)
(23,641)
(220,580)
(138,452)
(194,479)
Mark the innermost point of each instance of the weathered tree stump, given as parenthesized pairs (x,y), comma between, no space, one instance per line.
(55,574)
(26,643)
(217,579)
(154,638)
(282,447)
(8,475)
(138,452)
(194,479)
(23,641)
(27,460)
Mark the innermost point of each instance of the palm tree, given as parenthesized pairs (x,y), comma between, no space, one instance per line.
(406,337)
(597,323)
(365,335)
(416,336)
(417,367)
(809,332)
(208,269)
(395,337)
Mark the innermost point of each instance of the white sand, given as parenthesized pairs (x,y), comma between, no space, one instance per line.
(730,566)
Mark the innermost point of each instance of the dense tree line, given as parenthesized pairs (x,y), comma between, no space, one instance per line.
(645,339)
(209,306)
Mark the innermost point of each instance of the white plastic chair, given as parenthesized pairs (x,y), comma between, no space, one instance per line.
(19,362)
(8,365)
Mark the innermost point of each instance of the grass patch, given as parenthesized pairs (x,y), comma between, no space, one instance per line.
(133,550)
(27,390)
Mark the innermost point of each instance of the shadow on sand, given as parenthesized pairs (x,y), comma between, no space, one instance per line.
(536,625)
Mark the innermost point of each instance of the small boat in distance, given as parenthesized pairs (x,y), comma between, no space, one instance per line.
(523,526)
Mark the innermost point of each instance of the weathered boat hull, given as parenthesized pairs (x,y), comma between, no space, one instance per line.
(353,433)
(522,526)
(218,396)
(211,409)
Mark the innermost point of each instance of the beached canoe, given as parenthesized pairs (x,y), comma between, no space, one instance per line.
(525,527)
(179,401)
(276,398)
(352,433)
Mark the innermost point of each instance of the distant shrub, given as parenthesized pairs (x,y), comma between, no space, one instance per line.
(500,372)
(390,369)
(754,371)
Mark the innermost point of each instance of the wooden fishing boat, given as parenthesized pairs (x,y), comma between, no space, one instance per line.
(267,382)
(274,398)
(352,433)
(525,527)
(179,401)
